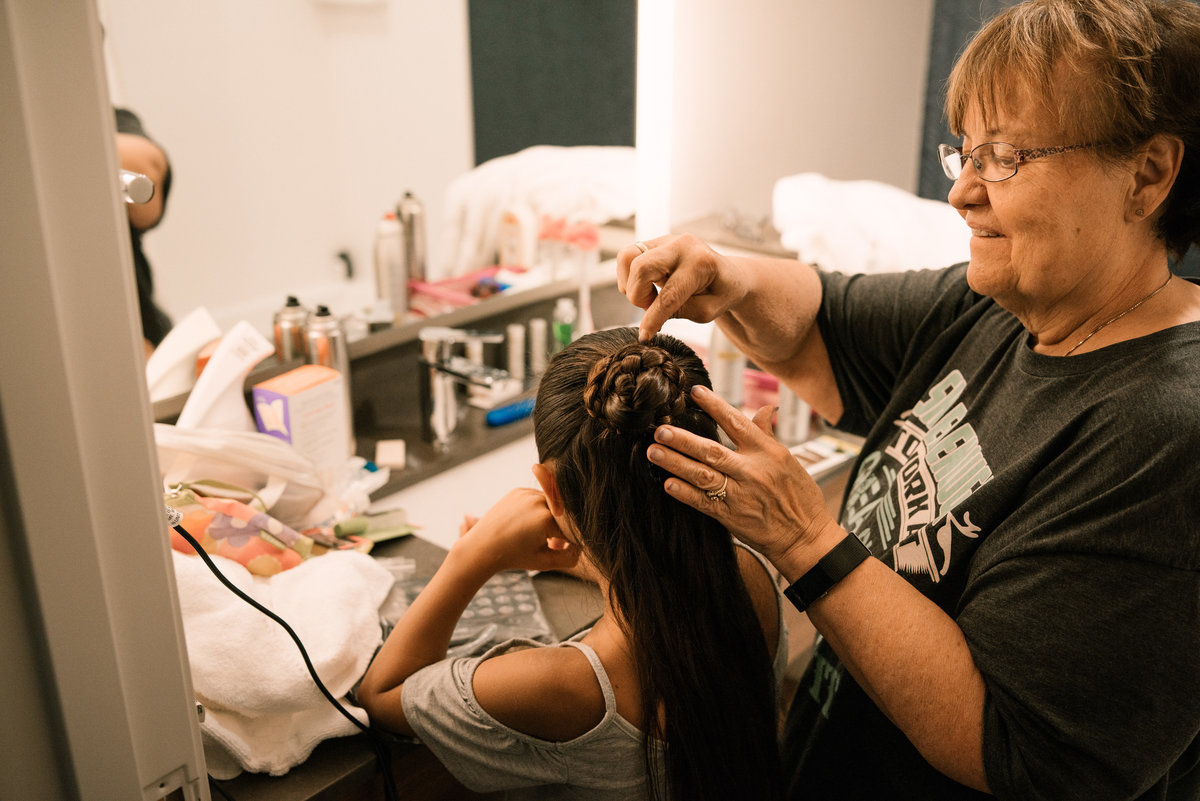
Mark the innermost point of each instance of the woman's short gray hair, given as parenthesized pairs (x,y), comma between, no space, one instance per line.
(1133,71)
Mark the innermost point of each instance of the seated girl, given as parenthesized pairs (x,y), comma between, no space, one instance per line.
(671,694)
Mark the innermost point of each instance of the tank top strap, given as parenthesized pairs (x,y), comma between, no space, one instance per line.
(610,698)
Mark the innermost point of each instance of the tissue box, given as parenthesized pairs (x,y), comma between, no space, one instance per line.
(307,408)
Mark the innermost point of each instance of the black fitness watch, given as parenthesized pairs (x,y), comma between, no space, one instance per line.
(833,567)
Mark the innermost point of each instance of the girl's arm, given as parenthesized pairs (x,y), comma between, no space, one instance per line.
(514,534)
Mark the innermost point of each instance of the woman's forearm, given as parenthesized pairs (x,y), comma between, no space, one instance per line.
(775,327)
(912,660)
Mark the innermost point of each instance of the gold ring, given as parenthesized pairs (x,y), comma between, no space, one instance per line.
(718,494)
(641,246)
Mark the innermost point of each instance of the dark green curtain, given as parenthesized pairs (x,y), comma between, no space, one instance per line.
(552,72)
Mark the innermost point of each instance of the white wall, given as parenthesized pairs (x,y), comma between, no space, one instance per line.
(291,127)
(769,88)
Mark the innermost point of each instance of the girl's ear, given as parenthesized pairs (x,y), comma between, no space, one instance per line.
(545,477)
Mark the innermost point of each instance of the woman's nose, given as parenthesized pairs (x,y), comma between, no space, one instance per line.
(968,189)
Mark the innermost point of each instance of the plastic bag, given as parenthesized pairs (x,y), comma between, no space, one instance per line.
(289,486)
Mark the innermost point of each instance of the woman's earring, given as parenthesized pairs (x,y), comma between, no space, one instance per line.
(1139,212)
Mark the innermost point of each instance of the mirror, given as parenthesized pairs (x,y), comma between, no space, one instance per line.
(292,126)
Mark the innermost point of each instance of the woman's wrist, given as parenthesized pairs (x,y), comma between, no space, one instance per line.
(803,553)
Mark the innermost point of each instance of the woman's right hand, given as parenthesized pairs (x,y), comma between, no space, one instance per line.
(678,276)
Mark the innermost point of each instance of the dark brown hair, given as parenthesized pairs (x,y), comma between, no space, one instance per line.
(674,582)
(1132,70)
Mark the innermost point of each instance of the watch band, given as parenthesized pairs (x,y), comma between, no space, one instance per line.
(832,568)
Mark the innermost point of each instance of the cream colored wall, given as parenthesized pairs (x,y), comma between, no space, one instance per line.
(770,88)
(291,127)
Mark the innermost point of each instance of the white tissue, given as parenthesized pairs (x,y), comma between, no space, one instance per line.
(866,226)
(171,369)
(218,400)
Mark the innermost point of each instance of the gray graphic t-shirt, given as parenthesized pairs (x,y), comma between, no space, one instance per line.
(1051,506)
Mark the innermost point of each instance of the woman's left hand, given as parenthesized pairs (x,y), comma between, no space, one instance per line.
(770,502)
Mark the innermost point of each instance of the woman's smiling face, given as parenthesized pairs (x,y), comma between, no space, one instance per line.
(1048,230)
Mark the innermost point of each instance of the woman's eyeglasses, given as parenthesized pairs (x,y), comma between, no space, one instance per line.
(994,161)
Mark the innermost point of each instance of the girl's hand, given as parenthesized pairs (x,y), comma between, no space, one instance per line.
(770,502)
(518,533)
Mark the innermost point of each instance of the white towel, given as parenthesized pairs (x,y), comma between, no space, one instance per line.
(263,713)
(866,226)
(582,184)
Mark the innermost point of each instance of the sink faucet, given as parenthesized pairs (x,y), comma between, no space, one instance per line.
(443,374)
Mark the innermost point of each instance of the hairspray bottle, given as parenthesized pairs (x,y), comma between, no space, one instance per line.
(289,324)
(326,338)
(411,212)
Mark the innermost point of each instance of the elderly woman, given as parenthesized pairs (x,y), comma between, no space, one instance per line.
(1011,604)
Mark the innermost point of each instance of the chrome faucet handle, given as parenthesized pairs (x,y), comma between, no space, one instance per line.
(135,187)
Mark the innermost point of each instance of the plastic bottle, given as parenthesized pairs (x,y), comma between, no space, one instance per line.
(793,418)
(539,347)
(289,324)
(565,314)
(726,368)
(411,212)
(391,281)
(515,350)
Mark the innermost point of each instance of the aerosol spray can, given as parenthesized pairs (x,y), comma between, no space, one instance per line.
(412,220)
(326,338)
(290,321)
(391,282)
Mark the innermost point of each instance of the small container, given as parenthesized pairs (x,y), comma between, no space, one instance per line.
(515,339)
(411,212)
(539,348)
(565,315)
(289,325)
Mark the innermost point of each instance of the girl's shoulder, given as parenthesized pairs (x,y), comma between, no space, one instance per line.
(551,693)
(764,593)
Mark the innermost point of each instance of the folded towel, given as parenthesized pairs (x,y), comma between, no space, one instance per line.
(582,184)
(263,713)
(866,226)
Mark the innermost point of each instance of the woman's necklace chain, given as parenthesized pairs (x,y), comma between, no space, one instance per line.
(1114,318)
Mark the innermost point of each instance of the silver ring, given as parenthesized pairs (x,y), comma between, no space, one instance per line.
(718,494)
(642,246)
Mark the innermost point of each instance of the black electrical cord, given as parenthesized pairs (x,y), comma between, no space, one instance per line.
(377,741)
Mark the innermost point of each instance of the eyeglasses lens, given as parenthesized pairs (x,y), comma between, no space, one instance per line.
(993,161)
